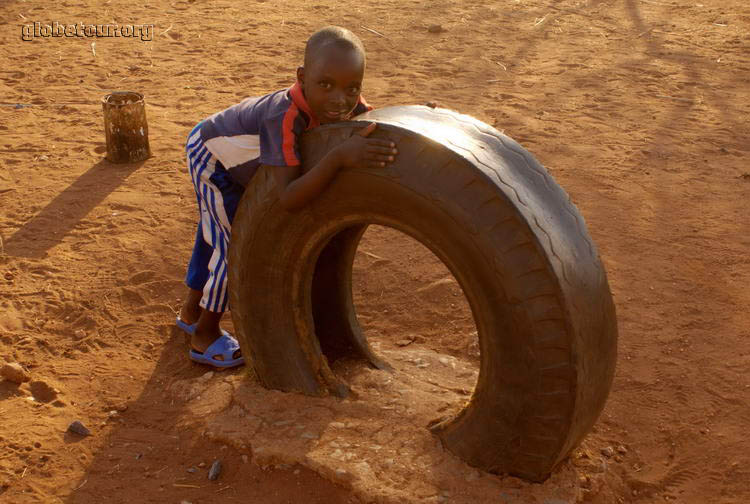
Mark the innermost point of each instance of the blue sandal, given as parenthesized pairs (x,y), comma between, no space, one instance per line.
(188,328)
(225,346)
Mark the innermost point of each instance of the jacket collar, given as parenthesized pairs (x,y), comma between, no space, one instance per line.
(299,99)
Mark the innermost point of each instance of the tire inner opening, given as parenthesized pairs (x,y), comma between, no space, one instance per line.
(415,317)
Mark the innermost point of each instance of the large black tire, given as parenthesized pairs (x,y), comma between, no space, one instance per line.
(508,233)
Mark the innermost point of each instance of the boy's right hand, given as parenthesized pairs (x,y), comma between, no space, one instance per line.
(360,150)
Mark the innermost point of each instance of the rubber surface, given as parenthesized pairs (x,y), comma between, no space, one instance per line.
(508,233)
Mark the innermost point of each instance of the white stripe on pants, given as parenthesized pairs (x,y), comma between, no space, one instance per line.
(213,220)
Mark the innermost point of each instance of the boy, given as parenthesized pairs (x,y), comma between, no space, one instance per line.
(225,150)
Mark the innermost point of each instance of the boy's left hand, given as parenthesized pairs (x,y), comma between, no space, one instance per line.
(360,150)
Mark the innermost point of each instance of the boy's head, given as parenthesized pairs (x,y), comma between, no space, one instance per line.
(332,74)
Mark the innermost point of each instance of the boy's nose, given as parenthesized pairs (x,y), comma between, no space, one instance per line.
(338,99)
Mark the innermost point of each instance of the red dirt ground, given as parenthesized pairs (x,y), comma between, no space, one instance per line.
(639,109)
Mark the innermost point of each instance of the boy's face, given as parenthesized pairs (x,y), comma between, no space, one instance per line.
(332,82)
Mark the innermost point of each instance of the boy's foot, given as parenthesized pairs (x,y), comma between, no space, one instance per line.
(223,352)
(208,333)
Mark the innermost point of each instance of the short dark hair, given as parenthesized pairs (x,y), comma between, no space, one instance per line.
(332,35)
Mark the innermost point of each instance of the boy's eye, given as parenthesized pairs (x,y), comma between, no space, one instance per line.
(354,90)
(325,85)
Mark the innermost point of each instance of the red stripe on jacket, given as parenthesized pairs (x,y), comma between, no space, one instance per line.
(288,137)
(364,102)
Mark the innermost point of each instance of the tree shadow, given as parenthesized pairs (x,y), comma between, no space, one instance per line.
(50,226)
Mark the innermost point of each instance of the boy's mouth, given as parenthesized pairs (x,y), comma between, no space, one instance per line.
(336,114)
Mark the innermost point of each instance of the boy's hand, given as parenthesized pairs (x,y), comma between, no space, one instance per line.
(360,150)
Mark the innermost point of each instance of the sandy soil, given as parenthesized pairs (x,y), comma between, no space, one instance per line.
(639,108)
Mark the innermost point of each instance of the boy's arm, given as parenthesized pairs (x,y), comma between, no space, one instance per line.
(295,189)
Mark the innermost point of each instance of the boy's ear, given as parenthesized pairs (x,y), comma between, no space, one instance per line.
(301,74)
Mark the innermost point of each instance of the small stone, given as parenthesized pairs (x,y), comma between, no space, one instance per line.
(435,28)
(363,469)
(191,470)
(79,334)
(15,373)
(342,474)
(215,470)
(185,502)
(296,471)
(202,465)
(608,451)
(584,481)
(406,341)
(309,435)
(244,459)
(473,349)
(473,475)
(78,428)
(110,407)
(138,456)
(622,450)
(337,425)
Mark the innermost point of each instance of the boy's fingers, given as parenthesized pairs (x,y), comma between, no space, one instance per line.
(376,164)
(379,157)
(382,143)
(377,149)
(364,132)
